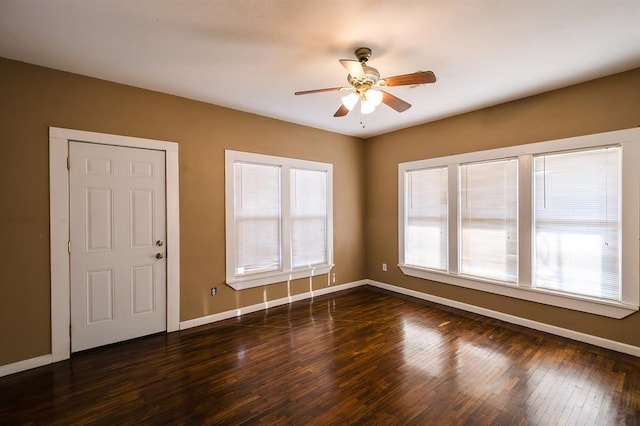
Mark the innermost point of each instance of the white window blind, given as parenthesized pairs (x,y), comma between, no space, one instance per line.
(577,222)
(257,217)
(426,230)
(489,219)
(308,217)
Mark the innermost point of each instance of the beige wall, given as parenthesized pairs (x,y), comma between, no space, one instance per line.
(602,105)
(365,186)
(34,98)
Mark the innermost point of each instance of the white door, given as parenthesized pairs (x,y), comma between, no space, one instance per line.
(118,266)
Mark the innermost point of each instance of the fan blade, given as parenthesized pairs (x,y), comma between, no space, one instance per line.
(342,111)
(354,68)
(328,89)
(420,77)
(394,102)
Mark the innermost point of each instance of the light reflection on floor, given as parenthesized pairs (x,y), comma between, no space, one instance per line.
(487,373)
(423,348)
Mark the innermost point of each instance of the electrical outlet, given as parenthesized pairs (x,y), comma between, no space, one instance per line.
(214,291)
(384,267)
(333,277)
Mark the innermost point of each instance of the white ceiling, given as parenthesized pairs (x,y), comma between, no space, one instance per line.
(251,55)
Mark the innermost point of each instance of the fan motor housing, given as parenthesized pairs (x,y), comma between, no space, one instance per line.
(368,80)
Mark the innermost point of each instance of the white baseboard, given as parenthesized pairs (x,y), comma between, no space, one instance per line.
(268,304)
(24,365)
(552,329)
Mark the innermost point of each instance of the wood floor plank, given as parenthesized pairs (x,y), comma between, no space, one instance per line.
(363,356)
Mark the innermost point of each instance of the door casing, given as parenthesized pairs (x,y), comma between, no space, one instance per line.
(59,228)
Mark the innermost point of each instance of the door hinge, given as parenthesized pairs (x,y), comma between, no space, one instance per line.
(69,330)
(69,247)
(68,163)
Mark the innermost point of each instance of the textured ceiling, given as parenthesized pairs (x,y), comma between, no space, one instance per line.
(252,55)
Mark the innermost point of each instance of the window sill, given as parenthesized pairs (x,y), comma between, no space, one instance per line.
(582,304)
(258,280)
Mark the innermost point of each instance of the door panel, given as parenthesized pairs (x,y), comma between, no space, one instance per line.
(117,212)
(99,290)
(142,290)
(98,219)
(141,202)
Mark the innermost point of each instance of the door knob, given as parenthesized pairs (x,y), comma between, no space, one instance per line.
(159,243)
(159,255)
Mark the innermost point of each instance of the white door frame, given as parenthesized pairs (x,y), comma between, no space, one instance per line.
(59,228)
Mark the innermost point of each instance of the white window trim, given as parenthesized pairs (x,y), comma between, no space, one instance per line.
(287,273)
(628,139)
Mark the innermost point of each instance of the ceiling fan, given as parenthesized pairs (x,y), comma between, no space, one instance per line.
(366,83)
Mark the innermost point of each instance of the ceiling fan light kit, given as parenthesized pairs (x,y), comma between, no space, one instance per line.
(350,100)
(366,83)
(370,100)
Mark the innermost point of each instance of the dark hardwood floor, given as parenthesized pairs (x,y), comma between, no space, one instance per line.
(358,357)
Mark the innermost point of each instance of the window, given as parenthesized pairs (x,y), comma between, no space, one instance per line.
(278,219)
(489,220)
(426,242)
(553,222)
(577,222)
(257,218)
(308,217)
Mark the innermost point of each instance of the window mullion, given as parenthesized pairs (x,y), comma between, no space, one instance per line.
(525,221)
(285,217)
(454,218)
